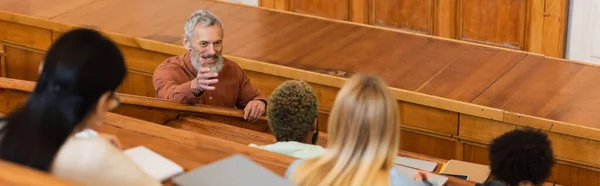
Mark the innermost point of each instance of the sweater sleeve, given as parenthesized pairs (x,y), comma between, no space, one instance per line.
(167,85)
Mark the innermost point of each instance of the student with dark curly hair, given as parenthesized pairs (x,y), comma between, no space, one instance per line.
(292,113)
(521,157)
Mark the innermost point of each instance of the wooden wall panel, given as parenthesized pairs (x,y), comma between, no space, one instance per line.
(140,65)
(535,26)
(27,36)
(428,118)
(569,175)
(480,129)
(499,23)
(476,154)
(2,61)
(137,84)
(267,84)
(142,60)
(22,63)
(413,15)
(555,26)
(334,9)
(575,149)
(444,23)
(428,145)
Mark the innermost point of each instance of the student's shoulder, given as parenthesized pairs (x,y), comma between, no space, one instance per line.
(174,62)
(85,150)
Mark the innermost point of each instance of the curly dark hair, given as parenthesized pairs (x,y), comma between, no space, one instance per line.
(521,155)
(292,111)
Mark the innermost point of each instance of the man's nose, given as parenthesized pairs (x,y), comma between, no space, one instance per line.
(211,49)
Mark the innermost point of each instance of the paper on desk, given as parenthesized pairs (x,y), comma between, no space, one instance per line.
(232,171)
(153,164)
(416,163)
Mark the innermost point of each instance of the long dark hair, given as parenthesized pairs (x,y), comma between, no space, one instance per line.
(79,68)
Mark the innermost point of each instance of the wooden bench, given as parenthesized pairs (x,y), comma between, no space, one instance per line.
(14,92)
(192,150)
(245,136)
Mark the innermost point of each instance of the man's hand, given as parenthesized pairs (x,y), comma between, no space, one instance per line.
(203,80)
(254,109)
(112,139)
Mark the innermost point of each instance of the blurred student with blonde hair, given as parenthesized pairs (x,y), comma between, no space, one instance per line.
(364,135)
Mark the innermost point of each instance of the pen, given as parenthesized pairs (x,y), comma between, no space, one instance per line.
(427,182)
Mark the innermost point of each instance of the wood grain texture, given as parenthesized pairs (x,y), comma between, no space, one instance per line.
(493,22)
(353,45)
(24,35)
(413,15)
(245,136)
(14,174)
(416,140)
(445,18)
(15,92)
(428,118)
(569,175)
(427,145)
(214,125)
(476,154)
(222,131)
(547,88)
(555,28)
(22,63)
(535,26)
(136,83)
(199,149)
(334,9)
(42,8)
(272,44)
(2,61)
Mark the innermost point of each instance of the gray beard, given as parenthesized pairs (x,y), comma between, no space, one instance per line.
(217,67)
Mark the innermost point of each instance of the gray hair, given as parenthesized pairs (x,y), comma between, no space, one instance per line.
(202,17)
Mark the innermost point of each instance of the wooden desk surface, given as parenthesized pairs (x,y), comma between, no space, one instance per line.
(504,79)
(437,67)
(552,89)
(191,150)
(13,174)
(186,148)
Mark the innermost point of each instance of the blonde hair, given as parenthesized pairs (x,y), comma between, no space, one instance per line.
(364,136)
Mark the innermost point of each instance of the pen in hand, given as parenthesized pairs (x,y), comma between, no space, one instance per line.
(424,177)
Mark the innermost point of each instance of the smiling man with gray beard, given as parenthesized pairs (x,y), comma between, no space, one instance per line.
(203,75)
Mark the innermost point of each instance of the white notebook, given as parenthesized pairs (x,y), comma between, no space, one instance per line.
(153,164)
(416,163)
(233,171)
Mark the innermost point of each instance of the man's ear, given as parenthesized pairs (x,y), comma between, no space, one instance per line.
(186,43)
(314,125)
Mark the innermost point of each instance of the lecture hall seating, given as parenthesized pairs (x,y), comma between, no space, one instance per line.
(454,96)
